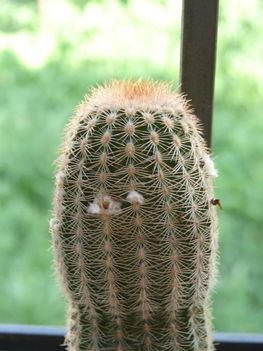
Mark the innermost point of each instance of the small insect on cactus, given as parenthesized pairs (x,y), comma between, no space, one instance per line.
(134,229)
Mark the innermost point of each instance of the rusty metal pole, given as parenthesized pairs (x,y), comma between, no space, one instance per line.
(198,53)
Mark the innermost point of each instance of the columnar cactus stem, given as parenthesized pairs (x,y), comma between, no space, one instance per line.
(134,230)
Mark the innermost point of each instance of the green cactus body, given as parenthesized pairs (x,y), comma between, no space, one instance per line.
(134,231)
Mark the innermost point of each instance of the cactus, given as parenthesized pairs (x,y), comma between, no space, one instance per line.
(134,231)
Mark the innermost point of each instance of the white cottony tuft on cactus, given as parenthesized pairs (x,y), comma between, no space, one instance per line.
(210,166)
(134,230)
(134,196)
(104,204)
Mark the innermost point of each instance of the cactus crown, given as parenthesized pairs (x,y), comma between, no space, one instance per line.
(134,233)
(134,94)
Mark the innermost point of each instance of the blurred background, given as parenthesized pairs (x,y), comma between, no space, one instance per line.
(51,52)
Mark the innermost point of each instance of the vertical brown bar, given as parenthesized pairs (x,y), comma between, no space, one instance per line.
(198,49)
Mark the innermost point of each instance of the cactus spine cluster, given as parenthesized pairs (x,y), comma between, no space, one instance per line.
(134,232)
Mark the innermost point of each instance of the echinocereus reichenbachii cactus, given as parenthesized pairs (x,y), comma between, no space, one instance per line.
(134,230)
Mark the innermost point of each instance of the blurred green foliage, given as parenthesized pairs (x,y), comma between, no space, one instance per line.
(49,56)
